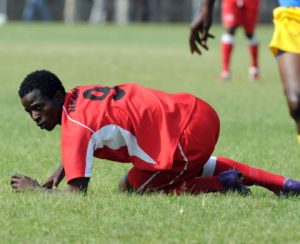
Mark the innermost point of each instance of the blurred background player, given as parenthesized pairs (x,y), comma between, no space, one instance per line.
(30,8)
(99,11)
(3,11)
(285,45)
(239,13)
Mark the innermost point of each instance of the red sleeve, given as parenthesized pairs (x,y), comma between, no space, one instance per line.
(77,151)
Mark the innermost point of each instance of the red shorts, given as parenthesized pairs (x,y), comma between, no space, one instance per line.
(196,145)
(240,12)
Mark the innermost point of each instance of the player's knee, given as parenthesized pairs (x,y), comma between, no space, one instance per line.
(252,39)
(295,110)
(227,38)
(231,30)
(293,100)
(249,35)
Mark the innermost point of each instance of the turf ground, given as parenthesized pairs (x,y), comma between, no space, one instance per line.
(255,128)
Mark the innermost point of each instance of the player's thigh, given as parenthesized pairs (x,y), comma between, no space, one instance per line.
(289,68)
(231,14)
(250,15)
(198,139)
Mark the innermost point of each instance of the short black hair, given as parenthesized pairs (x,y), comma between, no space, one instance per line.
(43,80)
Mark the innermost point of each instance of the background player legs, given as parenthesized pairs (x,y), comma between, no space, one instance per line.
(253,46)
(250,18)
(227,44)
(289,68)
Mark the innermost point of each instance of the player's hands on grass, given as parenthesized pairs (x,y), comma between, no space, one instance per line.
(53,181)
(22,183)
(200,28)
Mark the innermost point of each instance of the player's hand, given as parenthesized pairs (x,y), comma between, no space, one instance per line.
(53,181)
(22,183)
(200,30)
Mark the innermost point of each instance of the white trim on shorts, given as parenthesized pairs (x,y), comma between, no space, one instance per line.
(142,187)
(209,167)
(185,166)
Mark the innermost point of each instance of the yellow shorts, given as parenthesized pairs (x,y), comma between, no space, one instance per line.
(286,36)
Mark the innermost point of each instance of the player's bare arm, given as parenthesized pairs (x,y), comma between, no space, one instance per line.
(200,27)
(53,181)
(21,183)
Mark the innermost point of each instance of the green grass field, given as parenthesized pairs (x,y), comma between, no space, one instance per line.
(255,128)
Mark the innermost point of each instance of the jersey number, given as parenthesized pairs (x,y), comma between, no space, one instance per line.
(93,93)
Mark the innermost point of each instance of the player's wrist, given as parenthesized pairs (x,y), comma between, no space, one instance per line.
(36,184)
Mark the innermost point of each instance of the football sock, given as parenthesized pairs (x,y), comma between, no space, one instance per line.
(227,42)
(252,175)
(253,49)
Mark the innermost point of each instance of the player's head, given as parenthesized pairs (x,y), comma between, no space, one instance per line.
(42,95)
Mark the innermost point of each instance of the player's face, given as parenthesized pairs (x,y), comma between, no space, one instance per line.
(44,111)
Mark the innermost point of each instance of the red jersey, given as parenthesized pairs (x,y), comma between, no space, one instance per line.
(125,123)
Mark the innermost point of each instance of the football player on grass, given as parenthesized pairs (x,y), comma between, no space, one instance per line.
(168,138)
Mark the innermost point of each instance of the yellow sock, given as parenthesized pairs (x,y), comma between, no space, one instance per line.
(298,138)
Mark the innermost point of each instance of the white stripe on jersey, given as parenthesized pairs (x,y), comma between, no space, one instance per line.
(76,122)
(114,137)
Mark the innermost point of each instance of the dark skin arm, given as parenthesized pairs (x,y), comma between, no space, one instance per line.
(21,183)
(53,181)
(200,27)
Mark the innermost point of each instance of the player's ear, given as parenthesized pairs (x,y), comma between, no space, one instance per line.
(59,97)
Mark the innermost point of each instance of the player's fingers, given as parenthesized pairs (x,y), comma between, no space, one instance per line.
(204,44)
(197,50)
(194,48)
(210,36)
(14,180)
(191,48)
(198,40)
(15,186)
(204,34)
(193,45)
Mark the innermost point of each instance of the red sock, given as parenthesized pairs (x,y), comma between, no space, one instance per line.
(253,49)
(226,49)
(252,176)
